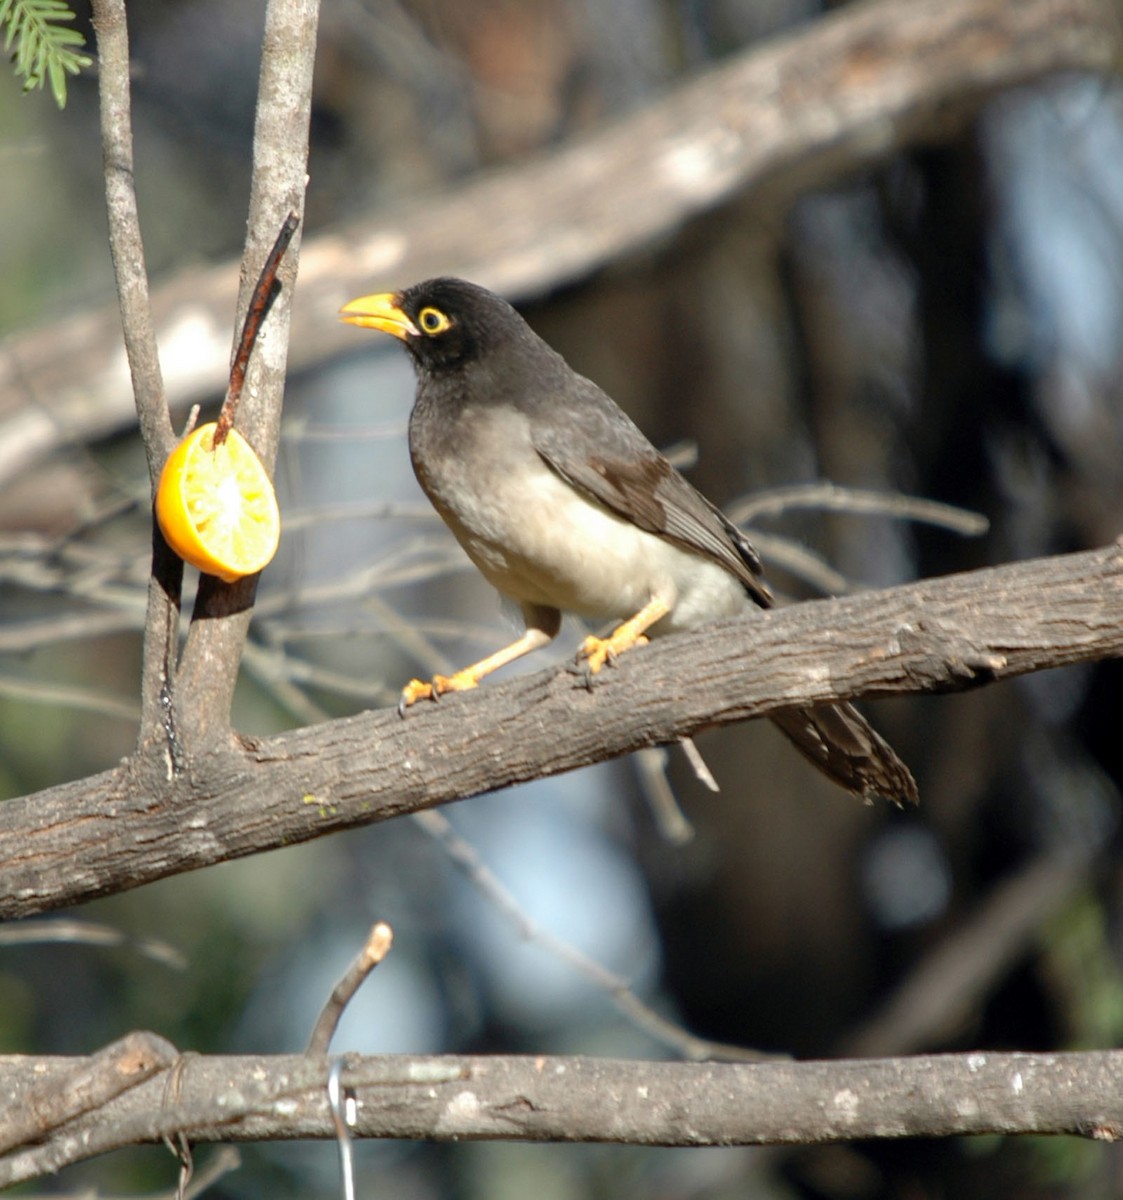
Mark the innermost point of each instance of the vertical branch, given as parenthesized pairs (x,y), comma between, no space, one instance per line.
(209,668)
(127,249)
(125,242)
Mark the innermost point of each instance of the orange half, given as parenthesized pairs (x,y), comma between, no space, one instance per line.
(216,507)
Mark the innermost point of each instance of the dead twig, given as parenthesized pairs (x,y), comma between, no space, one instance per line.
(375,949)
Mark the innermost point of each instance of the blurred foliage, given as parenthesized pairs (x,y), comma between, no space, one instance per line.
(1081,964)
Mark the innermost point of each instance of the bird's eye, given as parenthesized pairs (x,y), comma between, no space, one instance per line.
(432,321)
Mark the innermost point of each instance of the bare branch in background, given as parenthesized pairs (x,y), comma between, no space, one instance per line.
(948,982)
(90,933)
(662,1030)
(824,496)
(797,112)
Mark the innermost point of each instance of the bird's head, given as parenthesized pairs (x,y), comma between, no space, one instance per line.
(444,323)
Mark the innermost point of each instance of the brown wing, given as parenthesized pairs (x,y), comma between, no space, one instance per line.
(599,451)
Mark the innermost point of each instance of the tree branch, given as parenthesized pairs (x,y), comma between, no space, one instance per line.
(798,112)
(208,669)
(117,830)
(452,1098)
(161,627)
(125,243)
(83,1085)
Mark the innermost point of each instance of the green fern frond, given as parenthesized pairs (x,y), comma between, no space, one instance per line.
(45,48)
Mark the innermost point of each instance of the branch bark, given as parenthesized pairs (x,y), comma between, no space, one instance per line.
(800,111)
(208,668)
(451,1098)
(120,829)
(125,242)
(161,628)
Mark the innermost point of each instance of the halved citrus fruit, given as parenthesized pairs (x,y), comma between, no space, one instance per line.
(216,506)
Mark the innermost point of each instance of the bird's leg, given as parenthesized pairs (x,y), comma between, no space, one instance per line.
(595,651)
(469,677)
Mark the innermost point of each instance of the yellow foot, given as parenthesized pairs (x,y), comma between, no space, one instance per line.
(418,689)
(595,651)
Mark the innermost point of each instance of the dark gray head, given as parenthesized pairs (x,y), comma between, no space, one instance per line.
(445,323)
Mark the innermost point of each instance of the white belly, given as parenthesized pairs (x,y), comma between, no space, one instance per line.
(540,542)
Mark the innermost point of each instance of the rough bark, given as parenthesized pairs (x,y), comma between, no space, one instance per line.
(545,1098)
(135,824)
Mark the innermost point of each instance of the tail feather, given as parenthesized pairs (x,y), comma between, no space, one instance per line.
(847,749)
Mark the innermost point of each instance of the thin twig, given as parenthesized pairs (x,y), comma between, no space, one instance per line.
(831,497)
(800,562)
(662,803)
(667,1033)
(264,293)
(222,1162)
(62,695)
(125,242)
(166,580)
(698,765)
(375,949)
(76,626)
(306,429)
(90,933)
(362,510)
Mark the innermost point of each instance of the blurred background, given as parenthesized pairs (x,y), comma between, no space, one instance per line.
(947,324)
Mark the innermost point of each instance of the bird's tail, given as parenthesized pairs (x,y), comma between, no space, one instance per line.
(846,748)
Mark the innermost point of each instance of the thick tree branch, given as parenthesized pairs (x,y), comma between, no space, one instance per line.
(579,1100)
(797,112)
(121,829)
(84,1085)
(208,669)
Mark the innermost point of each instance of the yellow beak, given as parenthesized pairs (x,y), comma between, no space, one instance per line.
(379,311)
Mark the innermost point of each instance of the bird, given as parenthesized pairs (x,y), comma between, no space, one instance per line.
(563,505)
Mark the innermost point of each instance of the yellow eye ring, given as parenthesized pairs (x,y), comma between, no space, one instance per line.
(432,321)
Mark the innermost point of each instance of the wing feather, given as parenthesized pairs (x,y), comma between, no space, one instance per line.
(599,451)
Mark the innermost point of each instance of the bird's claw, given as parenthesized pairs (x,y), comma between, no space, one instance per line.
(434,689)
(596,652)
(413,691)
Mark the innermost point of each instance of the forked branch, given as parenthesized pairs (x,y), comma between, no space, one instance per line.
(799,112)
